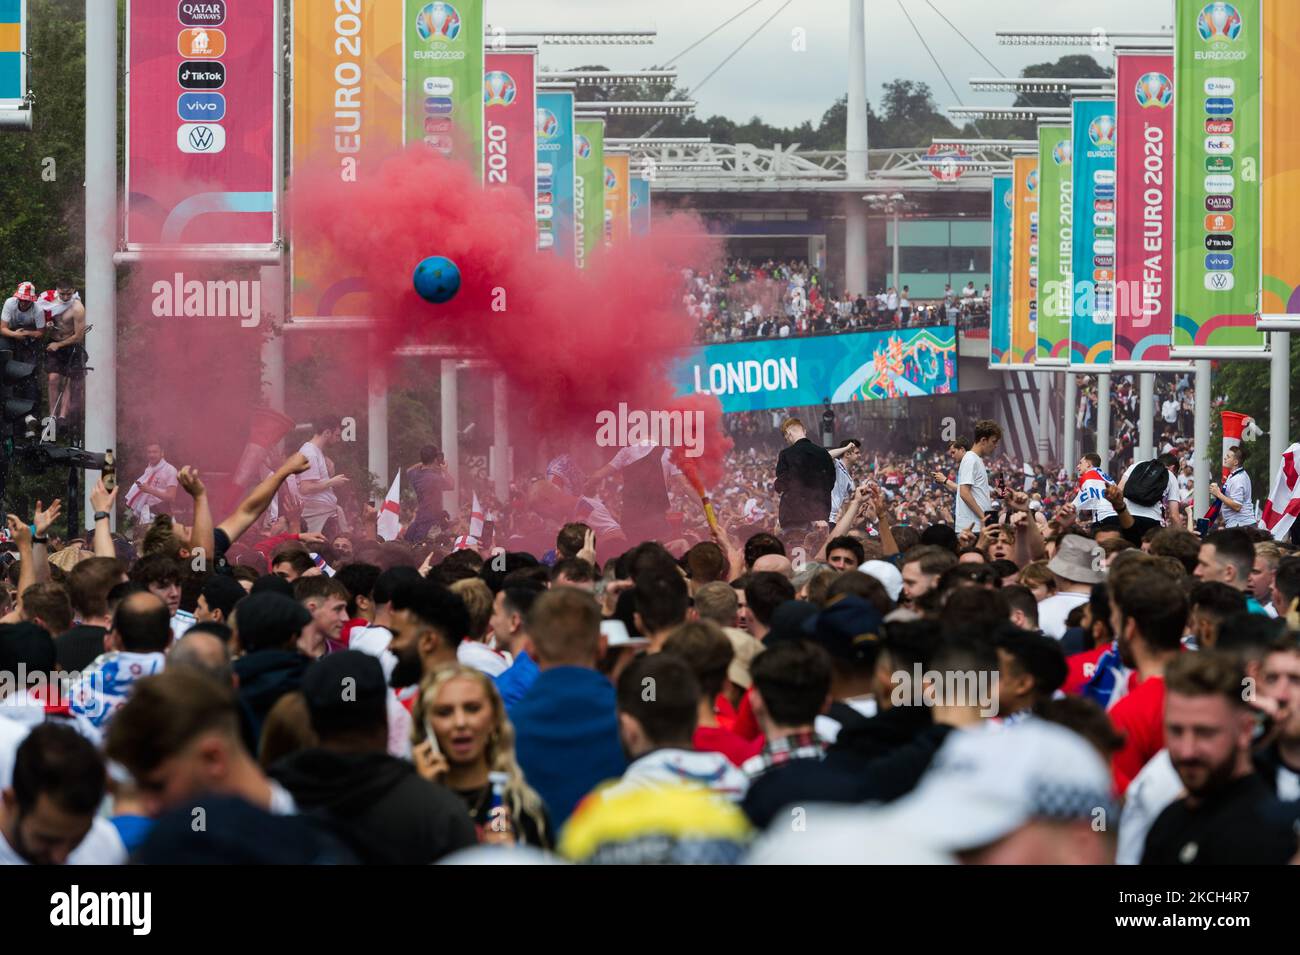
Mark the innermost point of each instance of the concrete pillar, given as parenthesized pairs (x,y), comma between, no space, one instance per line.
(1044,417)
(1069,452)
(1146,416)
(377,427)
(451,434)
(1201,439)
(102,82)
(273,344)
(1279,400)
(1103,419)
(501,437)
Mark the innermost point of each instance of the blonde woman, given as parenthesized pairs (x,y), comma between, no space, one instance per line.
(462,738)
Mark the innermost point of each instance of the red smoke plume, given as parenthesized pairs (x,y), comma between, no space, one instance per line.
(572,342)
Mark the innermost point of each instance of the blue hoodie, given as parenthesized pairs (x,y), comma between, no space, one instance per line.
(566,737)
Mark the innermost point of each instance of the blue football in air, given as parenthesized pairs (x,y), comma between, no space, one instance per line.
(437,279)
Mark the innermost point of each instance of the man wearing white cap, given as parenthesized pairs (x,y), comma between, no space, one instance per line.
(22,327)
(1033,793)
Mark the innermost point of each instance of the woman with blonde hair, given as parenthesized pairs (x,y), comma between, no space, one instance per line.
(463,739)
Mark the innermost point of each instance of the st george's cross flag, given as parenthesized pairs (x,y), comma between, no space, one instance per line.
(390,515)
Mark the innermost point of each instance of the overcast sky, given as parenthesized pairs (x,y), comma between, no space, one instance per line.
(769,79)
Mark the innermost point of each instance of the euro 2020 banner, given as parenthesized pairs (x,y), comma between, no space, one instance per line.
(589,186)
(347,114)
(1024,268)
(639,204)
(444,77)
(1218,57)
(555,175)
(793,372)
(1055,230)
(1144,316)
(510,110)
(1092,320)
(1000,304)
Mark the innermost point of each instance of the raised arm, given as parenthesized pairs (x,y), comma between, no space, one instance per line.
(201,534)
(259,498)
(103,500)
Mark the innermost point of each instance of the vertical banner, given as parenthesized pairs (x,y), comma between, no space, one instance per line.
(589,185)
(555,177)
(1055,229)
(639,191)
(1092,317)
(201,162)
(1024,266)
(1218,57)
(1144,251)
(1280,188)
(510,111)
(444,77)
(1000,287)
(13,53)
(617,198)
(347,114)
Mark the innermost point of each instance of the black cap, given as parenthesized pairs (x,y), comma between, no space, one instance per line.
(851,630)
(268,621)
(787,621)
(346,691)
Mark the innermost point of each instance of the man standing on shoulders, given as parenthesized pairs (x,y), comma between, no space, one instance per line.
(847,453)
(805,477)
(154,491)
(319,504)
(1236,495)
(428,479)
(973,498)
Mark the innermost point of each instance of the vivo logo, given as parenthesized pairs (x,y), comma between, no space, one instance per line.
(193,107)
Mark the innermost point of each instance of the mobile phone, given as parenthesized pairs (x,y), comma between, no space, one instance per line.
(432,737)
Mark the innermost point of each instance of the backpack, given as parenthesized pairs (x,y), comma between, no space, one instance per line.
(1146,484)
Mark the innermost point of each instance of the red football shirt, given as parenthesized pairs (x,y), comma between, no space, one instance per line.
(1082,667)
(1140,717)
(714,739)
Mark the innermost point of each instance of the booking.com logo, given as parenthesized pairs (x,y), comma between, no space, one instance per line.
(667,429)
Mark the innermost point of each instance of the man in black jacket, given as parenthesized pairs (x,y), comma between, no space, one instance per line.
(805,476)
(267,626)
(376,803)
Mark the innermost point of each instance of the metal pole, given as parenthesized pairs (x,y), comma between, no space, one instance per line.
(1146,416)
(898,289)
(1279,399)
(451,434)
(1044,417)
(855,138)
(501,437)
(102,82)
(1201,439)
(377,425)
(1068,456)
